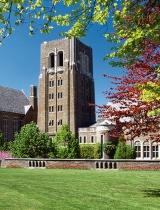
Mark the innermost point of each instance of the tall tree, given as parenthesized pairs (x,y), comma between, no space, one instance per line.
(135,23)
(66,145)
(126,108)
(81,14)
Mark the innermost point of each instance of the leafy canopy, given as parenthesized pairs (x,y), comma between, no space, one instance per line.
(133,21)
(130,114)
(30,143)
(136,23)
(66,145)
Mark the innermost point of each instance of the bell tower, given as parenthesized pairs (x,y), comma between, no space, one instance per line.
(66,86)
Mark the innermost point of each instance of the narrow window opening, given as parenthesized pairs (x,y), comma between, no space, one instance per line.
(60,82)
(5,128)
(146,150)
(51,108)
(59,108)
(60,122)
(155,150)
(59,95)
(80,139)
(51,122)
(60,59)
(52,60)
(51,96)
(51,83)
(92,139)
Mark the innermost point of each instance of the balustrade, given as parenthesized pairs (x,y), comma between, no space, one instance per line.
(106,164)
(37,164)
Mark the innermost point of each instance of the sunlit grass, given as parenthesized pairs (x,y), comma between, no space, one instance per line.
(37,189)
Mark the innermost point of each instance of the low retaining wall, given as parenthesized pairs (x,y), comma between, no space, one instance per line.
(76,163)
(47,163)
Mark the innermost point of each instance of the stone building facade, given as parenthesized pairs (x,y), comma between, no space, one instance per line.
(66,86)
(16,110)
(97,133)
(146,149)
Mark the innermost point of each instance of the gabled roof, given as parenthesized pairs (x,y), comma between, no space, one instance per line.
(12,100)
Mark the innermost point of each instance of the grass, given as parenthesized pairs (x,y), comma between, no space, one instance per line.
(56,189)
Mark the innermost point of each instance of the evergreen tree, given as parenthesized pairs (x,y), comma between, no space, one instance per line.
(124,151)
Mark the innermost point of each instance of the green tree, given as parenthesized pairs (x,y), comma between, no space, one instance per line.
(66,145)
(3,144)
(130,152)
(109,148)
(124,151)
(151,93)
(120,151)
(31,143)
(134,22)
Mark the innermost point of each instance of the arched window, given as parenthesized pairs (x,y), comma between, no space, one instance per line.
(86,60)
(92,139)
(80,139)
(60,58)
(81,61)
(138,149)
(6,128)
(15,125)
(155,150)
(52,60)
(146,149)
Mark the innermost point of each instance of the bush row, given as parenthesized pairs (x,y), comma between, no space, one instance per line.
(90,151)
(31,143)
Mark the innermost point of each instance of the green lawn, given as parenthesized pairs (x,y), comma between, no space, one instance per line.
(55,189)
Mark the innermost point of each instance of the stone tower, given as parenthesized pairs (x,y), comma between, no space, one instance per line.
(66,86)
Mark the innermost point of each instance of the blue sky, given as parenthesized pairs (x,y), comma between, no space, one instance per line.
(20,59)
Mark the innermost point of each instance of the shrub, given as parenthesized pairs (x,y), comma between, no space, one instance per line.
(124,151)
(90,151)
(109,148)
(4,154)
(97,151)
(130,152)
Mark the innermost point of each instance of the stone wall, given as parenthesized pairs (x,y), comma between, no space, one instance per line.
(77,163)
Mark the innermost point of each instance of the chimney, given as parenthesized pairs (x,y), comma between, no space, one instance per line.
(33,96)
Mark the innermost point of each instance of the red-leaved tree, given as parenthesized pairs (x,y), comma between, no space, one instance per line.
(129,114)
